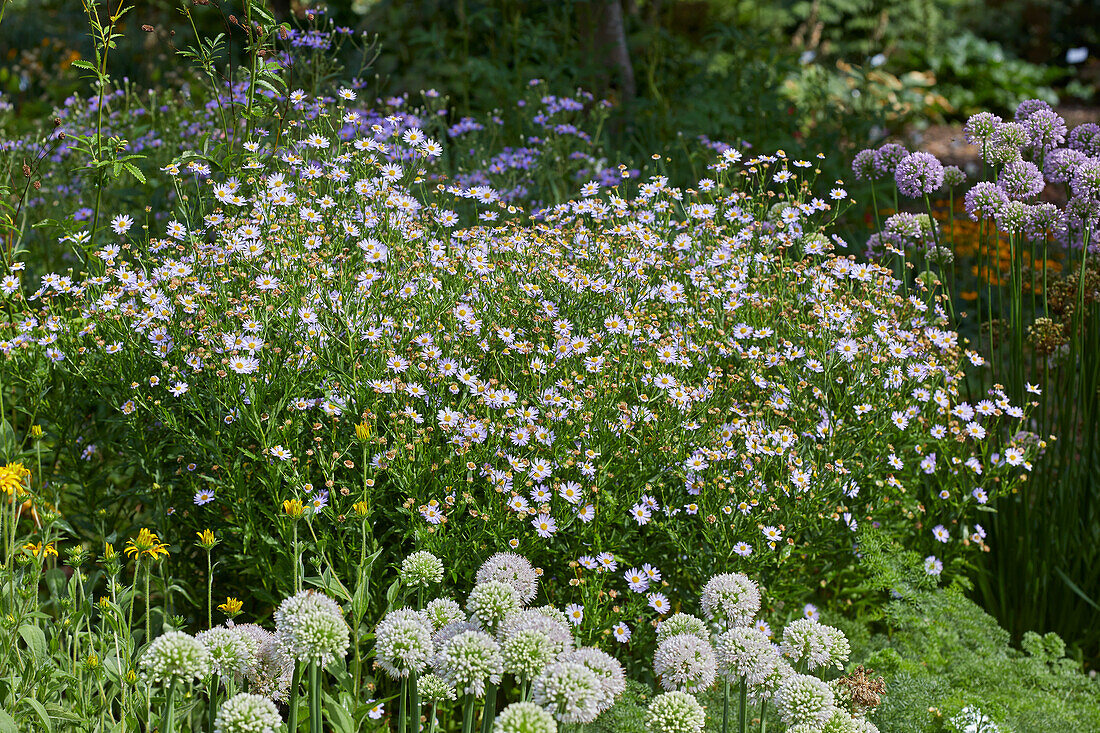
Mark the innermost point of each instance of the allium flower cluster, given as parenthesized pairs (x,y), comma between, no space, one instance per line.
(745,653)
(887,158)
(607,669)
(1086,179)
(570,691)
(491,602)
(176,657)
(1021,180)
(984,200)
(443,611)
(803,699)
(468,660)
(232,651)
(732,597)
(1046,129)
(979,128)
(524,717)
(247,713)
(421,569)
(434,689)
(310,626)
(403,643)
(682,623)
(919,174)
(555,629)
(675,712)
(685,662)
(863,166)
(526,652)
(814,644)
(1085,138)
(513,569)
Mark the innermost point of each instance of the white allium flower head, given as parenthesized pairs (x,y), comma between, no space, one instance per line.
(176,657)
(804,699)
(685,662)
(421,570)
(607,669)
(469,659)
(513,569)
(571,692)
(452,630)
(817,645)
(557,629)
(732,597)
(745,652)
(772,681)
(861,725)
(310,626)
(434,689)
(442,611)
(271,675)
(681,623)
(247,713)
(233,652)
(675,712)
(524,717)
(491,602)
(403,643)
(527,652)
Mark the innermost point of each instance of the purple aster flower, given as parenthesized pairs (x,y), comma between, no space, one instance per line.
(887,158)
(1021,180)
(863,165)
(1086,179)
(1028,107)
(203,497)
(1059,164)
(984,199)
(918,174)
(1085,138)
(1046,129)
(979,128)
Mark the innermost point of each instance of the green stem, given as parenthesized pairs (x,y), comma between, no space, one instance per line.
(726,707)
(763,719)
(490,708)
(431,720)
(743,721)
(148,620)
(292,703)
(212,712)
(315,697)
(468,715)
(402,712)
(415,706)
(169,717)
(209,592)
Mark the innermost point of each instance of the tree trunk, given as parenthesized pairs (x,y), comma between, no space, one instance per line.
(603,39)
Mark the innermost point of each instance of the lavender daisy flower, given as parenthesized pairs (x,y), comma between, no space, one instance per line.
(985,199)
(918,174)
(1085,138)
(1059,164)
(887,158)
(1021,180)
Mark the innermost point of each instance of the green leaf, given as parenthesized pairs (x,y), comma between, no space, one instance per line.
(43,716)
(81,64)
(134,171)
(7,723)
(35,639)
(7,441)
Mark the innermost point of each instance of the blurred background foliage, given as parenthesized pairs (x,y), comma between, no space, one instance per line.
(821,75)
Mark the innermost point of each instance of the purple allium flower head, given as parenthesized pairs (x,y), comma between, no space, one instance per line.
(863,165)
(1012,217)
(953,176)
(1082,212)
(1028,107)
(984,199)
(979,128)
(1021,180)
(1086,179)
(1044,218)
(1059,164)
(1046,129)
(1005,143)
(903,225)
(1085,138)
(887,158)
(918,174)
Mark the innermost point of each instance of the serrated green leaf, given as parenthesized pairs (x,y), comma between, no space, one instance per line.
(135,172)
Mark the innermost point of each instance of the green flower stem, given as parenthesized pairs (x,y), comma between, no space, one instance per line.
(148,620)
(488,713)
(431,719)
(212,708)
(763,719)
(315,697)
(468,715)
(295,681)
(402,713)
(169,717)
(743,722)
(415,706)
(209,592)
